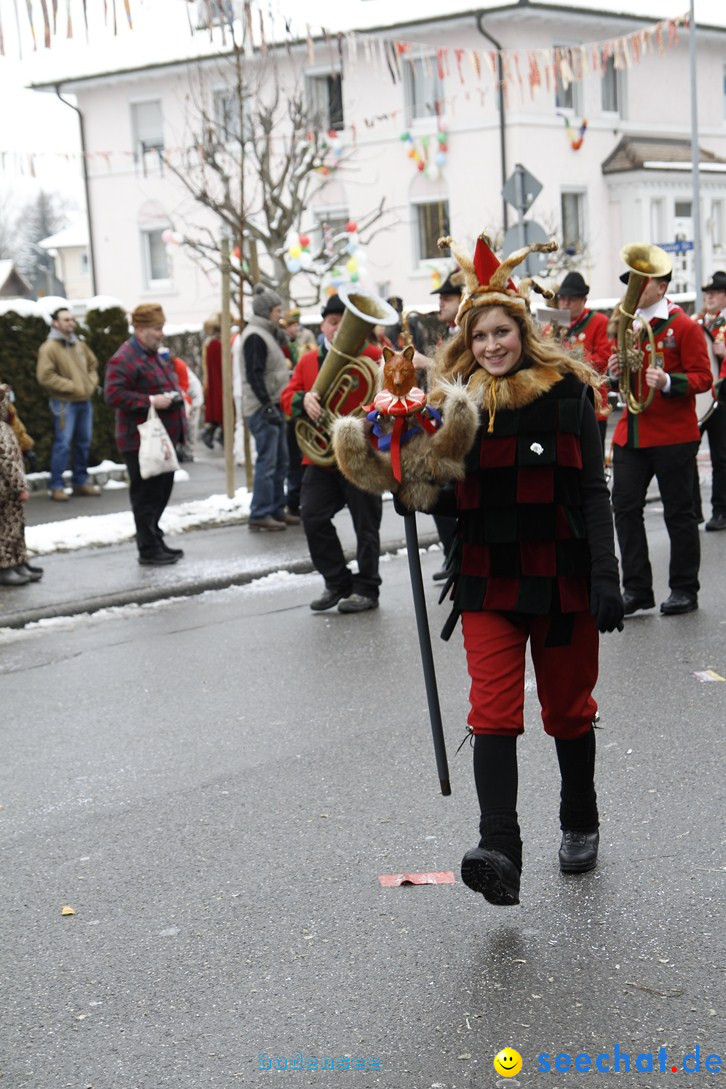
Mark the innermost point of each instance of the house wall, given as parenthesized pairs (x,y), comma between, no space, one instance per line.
(617,207)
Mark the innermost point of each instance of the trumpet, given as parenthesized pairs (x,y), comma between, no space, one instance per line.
(644,261)
(346,380)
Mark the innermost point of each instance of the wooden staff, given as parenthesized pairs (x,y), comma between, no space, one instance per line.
(427,658)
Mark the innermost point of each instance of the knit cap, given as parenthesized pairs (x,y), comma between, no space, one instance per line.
(264,299)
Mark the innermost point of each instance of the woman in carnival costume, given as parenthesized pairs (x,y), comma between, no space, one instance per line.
(534,561)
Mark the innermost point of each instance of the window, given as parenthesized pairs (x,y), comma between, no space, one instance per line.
(325,101)
(573,219)
(330,224)
(156,260)
(683,209)
(148,129)
(566,97)
(611,88)
(657,220)
(84,261)
(431,223)
(724,92)
(228,111)
(423,88)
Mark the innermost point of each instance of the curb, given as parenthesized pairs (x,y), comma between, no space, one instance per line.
(184,588)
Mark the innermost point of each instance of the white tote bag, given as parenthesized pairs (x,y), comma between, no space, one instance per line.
(156,450)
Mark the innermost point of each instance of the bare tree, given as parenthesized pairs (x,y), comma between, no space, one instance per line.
(257,156)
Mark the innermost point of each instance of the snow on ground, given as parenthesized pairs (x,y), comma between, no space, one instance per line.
(277,580)
(107,529)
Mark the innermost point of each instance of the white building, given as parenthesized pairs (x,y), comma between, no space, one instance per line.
(628,180)
(69,250)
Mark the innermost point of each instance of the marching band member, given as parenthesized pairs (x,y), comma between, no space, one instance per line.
(588,331)
(713,322)
(661,441)
(325,491)
(534,562)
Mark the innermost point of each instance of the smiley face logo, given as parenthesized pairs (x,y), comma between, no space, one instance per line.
(507,1062)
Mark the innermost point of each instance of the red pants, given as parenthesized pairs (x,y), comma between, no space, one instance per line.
(566,676)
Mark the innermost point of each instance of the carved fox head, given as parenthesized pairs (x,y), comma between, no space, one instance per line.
(399,373)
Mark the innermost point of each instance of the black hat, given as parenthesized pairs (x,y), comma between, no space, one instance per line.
(333,305)
(718,282)
(573,286)
(449,287)
(666,279)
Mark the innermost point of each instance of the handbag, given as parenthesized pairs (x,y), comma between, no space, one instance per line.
(156,450)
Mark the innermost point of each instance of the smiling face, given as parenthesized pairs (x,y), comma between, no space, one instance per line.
(507,1062)
(496,342)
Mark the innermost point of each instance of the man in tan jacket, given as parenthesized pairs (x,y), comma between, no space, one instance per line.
(68,372)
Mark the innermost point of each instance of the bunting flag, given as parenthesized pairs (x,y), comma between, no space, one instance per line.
(46,23)
(85,20)
(69,23)
(55,16)
(2,42)
(29,5)
(127,7)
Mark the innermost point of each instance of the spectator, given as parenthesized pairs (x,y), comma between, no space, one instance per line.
(136,377)
(212,380)
(14,567)
(264,375)
(68,372)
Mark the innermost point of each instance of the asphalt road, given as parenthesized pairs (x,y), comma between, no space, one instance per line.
(215,785)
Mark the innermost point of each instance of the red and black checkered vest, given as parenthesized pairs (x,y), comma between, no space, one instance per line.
(521,541)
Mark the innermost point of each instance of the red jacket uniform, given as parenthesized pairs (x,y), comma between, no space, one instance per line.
(671,417)
(590,332)
(303,378)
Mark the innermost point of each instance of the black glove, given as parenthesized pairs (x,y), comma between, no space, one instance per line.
(606,605)
(273,415)
(31,461)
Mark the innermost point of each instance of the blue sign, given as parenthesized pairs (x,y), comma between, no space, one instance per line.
(676,247)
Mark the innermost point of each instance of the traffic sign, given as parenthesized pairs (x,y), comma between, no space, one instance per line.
(522,234)
(521,189)
(681,246)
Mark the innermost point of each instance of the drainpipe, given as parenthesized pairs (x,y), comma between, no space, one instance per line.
(91,253)
(502,118)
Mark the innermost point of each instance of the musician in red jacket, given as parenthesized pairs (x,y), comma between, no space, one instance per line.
(325,491)
(588,331)
(661,441)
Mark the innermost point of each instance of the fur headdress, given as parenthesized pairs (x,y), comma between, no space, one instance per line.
(487,280)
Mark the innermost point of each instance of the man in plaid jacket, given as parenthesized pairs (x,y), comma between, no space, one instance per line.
(136,377)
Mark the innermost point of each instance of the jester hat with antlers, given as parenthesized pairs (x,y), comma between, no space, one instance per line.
(487,280)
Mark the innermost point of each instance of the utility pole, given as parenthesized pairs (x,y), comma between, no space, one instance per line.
(695,170)
(227,405)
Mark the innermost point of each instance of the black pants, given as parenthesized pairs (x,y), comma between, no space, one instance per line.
(148,503)
(715,428)
(324,493)
(673,468)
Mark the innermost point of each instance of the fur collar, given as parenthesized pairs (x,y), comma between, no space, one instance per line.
(513,391)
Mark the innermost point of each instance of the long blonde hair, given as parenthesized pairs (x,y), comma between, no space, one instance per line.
(456,359)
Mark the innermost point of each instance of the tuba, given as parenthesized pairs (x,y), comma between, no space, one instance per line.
(346,380)
(644,261)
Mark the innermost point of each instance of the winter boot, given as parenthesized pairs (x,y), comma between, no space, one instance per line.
(578,804)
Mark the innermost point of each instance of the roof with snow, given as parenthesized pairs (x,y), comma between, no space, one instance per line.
(12,282)
(655,153)
(76,234)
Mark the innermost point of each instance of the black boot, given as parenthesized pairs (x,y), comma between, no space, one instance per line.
(208,436)
(578,804)
(494,867)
